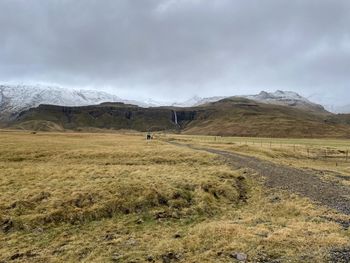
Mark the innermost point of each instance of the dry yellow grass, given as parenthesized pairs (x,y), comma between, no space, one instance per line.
(321,154)
(73,197)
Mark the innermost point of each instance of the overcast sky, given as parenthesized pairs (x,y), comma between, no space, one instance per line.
(174,49)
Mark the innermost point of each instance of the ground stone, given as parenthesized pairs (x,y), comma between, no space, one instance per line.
(239,256)
(340,255)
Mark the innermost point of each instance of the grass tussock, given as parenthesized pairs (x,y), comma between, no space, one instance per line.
(117,198)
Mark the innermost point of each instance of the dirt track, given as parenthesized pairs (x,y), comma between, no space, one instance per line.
(306,183)
(303,182)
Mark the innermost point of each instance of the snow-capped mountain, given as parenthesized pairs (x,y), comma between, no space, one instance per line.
(154,103)
(197,101)
(285,98)
(14,99)
(279,97)
(188,103)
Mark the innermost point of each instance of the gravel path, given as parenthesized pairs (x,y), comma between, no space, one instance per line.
(306,183)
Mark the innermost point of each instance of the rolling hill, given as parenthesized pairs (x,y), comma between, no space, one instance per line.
(243,117)
(228,117)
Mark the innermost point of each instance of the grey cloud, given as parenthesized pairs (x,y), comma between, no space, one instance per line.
(178,48)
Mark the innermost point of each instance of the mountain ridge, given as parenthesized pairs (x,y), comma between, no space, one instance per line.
(232,116)
(17,98)
(286,98)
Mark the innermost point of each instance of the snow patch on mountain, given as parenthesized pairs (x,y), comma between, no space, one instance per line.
(197,101)
(278,96)
(285,98)
(154,103)
(14,99)
(188,103)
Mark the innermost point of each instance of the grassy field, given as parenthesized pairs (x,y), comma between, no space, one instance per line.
(70,197)
(322,154)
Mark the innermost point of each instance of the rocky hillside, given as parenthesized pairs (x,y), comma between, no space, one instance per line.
(107,116)
(244,117)
(286,98)
(279,97)
(228,117)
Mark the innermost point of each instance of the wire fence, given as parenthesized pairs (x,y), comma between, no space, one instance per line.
(332,149)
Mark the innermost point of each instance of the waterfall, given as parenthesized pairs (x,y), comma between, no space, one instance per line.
(175,117)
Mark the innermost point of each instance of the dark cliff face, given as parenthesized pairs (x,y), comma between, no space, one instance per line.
(110,116)
(184,116)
